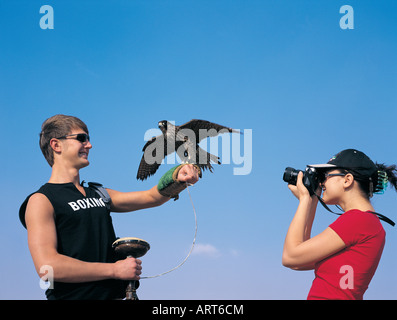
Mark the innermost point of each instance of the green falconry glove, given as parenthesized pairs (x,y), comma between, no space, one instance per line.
(169,186)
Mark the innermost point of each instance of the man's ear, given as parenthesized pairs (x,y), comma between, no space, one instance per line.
(55,145)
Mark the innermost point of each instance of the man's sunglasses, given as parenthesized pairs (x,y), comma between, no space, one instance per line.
(82,137)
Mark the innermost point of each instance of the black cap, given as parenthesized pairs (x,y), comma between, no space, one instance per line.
(352,160)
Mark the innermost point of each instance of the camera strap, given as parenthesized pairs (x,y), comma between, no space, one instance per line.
(101,191)
(380,216)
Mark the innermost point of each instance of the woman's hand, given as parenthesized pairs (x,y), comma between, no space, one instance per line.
(299,191)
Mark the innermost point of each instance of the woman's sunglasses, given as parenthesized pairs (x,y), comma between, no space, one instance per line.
(82,137)
(325,176)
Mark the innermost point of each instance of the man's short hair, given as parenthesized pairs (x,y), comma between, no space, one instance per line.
(57,126)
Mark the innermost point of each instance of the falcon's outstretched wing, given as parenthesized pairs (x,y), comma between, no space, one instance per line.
(153,154)
(195,125)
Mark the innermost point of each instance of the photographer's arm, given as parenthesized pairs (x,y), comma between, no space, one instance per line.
(301,251)
(310,219)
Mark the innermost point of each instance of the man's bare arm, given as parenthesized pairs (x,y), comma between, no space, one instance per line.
(42,241)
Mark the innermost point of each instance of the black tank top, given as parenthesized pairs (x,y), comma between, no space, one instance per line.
(84,232)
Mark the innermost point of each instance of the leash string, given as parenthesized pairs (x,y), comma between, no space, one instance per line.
(193,244)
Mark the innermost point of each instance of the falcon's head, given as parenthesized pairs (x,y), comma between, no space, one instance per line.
(163,125)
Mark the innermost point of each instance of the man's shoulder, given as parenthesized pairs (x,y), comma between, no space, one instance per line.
(36,198)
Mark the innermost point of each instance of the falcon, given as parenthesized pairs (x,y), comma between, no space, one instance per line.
(183,140)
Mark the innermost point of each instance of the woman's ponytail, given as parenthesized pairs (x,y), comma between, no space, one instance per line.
(386,174)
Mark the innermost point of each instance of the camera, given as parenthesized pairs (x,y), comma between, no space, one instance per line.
(311,178)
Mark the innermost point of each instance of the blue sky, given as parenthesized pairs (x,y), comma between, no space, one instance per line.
(283,69)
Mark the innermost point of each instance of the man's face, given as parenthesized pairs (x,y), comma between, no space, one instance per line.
(75,148)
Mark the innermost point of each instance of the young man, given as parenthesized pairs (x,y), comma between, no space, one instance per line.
(69,225)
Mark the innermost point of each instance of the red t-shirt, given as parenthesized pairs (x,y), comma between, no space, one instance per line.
(347,273)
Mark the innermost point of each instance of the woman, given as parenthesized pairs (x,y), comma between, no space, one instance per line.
(346,254)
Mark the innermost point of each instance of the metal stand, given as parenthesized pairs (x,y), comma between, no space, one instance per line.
(135,248)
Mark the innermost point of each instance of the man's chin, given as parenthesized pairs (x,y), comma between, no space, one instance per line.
(85,164)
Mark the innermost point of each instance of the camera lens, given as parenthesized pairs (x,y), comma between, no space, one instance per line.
(290,175)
